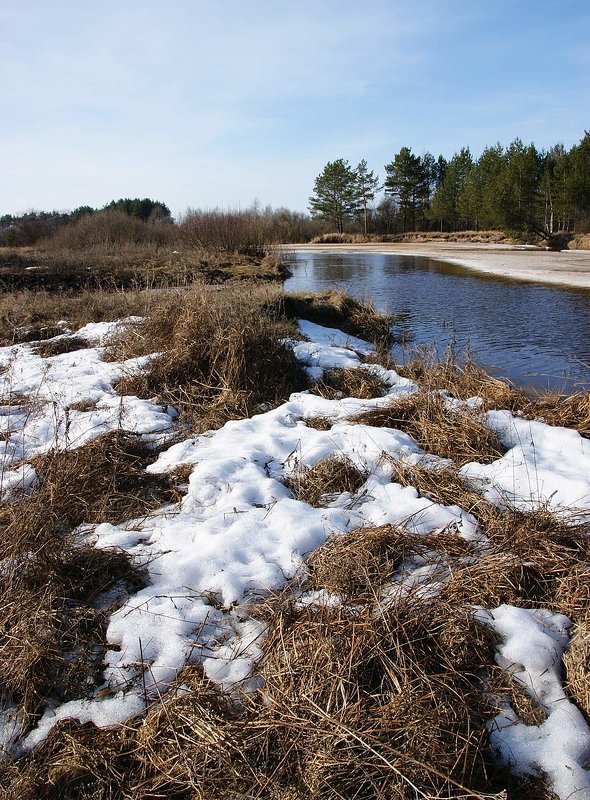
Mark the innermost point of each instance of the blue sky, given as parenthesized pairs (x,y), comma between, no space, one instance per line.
(221,103)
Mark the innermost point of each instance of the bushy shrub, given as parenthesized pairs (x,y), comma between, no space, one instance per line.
(112,228)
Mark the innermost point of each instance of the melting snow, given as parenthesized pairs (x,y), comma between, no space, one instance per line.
(239,533)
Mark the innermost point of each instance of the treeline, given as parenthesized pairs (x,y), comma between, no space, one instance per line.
(144,222)
(518,188)
(30,228)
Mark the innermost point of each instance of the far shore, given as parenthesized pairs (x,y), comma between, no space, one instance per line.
(566,268)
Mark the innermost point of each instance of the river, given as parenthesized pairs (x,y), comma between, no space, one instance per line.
(535,335)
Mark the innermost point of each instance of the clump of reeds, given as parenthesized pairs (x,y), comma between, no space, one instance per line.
(221,355)
(338,383)
(571,411)
(464,379)
(461,378)
(52,636)
(329,477)
(339,310)
(359,563)
(458,434)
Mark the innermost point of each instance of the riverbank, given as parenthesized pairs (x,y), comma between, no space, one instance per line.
(514,262)
(300,602)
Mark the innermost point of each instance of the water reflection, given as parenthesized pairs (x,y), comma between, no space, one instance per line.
(535,335)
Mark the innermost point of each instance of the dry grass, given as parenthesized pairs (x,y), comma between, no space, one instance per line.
(442,485)
(133,266)
(534,558)
(450,433)
(27,316)
(319,423)
(572,411)
(339,310)
(485,237)
(577,663)
(581,241)
(103,481)
(462,379)
(355,704)
(356,565)
(466,379)
(52,637)
(222,356)
(359,700)
(57,347)
(332,476)
(338,383)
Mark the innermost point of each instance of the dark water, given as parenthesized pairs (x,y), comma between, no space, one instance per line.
(537,336)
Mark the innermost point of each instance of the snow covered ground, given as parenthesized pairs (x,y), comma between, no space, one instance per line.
(239,533)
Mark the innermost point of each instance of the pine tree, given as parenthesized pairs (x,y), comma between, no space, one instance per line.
(446,205)
(336,195)
(408,180)
(367,184)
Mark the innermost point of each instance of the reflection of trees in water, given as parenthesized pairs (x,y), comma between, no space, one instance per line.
(338,268)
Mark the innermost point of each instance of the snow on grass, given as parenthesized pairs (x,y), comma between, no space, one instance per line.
(67,400)
(531,651)
(239,533)
(545,465)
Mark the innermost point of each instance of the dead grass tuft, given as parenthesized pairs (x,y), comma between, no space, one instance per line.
(339,310)
(441,484)
(457,434)
(56,347)
(576,661)
(338,383)
(539,537)
(328,478)
(319,423)
(494,579)
(466,379)
(221,355)
(359,563)
(102,481)
(462,379)
(52,637)
(572,411)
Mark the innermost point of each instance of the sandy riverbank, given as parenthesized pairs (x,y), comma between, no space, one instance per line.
(567,268)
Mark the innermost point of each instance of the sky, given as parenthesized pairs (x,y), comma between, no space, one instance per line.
(222,104)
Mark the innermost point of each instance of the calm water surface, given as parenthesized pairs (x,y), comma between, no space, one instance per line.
(537,336)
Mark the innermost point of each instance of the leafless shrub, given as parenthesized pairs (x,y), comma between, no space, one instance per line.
(225,230)
(111,228)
